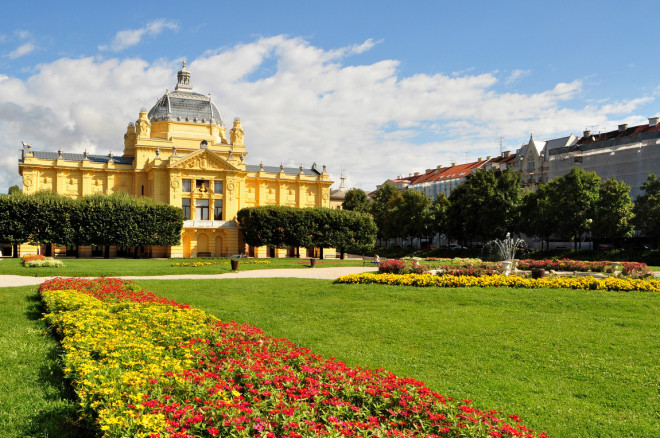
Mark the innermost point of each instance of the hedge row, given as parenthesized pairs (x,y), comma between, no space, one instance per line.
(118,219)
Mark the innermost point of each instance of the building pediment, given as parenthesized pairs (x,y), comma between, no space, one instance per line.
(203,159)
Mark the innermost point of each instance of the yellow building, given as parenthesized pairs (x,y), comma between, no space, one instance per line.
(179,153)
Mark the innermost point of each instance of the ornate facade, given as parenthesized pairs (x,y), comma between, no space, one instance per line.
(626,154)
(179,153)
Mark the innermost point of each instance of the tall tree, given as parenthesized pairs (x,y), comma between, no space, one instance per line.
(413,214)
(383,210)
(486,205)
(437,223)
(579,192)
(49,219)
(613,218)
(540,212)
(356,200)
(14,217)
(647,208)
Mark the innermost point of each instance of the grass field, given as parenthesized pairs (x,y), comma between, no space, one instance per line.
(143,267)
(574,363)
(34,399)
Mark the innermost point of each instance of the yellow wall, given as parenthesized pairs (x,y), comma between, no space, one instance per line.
(158,172)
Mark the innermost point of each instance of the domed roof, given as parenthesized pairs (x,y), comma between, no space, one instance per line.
(184,105)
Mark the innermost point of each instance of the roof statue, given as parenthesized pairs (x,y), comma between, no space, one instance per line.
(236,133)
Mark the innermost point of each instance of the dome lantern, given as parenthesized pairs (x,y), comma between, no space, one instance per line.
(183,79)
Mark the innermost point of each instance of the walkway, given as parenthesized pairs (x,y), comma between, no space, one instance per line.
(316,273)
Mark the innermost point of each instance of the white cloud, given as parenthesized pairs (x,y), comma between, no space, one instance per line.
(517,74)
(22,50)
(130,37)
(299,104)
(23,34)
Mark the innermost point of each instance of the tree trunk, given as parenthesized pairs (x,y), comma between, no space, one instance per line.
(106,254)
(15,246)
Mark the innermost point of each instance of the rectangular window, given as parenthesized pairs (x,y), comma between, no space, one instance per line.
(186,185)
(201,184)
(185,205)
(217,186)
(217,210)
(202,209)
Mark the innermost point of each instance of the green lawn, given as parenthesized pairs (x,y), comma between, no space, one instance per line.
(571,362)
(574,363)
(34,399)
(143,267)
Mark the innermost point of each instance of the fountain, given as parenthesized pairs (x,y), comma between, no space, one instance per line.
(507,249)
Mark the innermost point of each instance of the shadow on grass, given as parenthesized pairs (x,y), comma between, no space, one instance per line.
(61,416)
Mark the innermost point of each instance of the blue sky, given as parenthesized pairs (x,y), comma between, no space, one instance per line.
(376,88)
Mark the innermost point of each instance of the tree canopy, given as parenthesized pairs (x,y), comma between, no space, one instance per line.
(384,208)
(356,200)
(613,211)
(486,205)
(118,219)
(280,227)
(647,208)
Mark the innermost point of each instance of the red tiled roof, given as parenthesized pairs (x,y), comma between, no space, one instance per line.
(634,130)
(453,172)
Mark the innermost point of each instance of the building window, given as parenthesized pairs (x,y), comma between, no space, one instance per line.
(185,205)
(202,209)
(217,186)
(202,185)
(186,185)
(217,210)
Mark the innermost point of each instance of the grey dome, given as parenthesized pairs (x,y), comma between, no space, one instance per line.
(184,105)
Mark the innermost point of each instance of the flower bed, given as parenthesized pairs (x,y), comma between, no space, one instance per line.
(144,366)
(39,261)
(581,283)
(630,269)
(635,270)
(563,265)
(401,267)
(472,269)
(197,264)
(32,257)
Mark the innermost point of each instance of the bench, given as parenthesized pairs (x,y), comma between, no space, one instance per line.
(369,261)
(204,254)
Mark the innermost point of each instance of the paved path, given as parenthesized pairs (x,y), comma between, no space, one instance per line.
(314,273)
